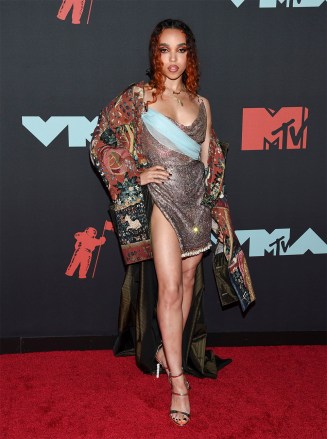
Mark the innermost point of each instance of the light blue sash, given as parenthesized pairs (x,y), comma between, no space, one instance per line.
(170,135)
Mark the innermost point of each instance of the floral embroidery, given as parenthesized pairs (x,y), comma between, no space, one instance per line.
(129,192)
(108,137)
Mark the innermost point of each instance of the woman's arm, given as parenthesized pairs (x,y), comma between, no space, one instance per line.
(213,154)
(206,143)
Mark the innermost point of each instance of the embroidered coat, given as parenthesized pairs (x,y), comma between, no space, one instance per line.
(116,152)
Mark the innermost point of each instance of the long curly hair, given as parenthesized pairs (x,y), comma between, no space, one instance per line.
(191,75)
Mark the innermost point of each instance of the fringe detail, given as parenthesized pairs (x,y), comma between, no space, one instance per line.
(197,251)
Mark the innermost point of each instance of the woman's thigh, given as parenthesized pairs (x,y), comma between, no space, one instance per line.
(189,267)
(166,250)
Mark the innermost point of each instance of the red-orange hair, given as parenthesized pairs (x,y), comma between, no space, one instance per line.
(191,75)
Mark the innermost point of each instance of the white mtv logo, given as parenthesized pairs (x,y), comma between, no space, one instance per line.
(288,3)
(79,128)
(278,242)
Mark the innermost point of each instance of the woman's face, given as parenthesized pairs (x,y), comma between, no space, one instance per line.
(173,49)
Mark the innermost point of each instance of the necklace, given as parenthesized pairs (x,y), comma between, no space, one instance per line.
(178,93)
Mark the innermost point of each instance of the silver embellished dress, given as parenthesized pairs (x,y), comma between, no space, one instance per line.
(179,198)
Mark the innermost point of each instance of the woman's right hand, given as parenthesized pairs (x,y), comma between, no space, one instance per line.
(155,174)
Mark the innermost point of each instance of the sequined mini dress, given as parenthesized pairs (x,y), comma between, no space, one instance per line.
(179,198)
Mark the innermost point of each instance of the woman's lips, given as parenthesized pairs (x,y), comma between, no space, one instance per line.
(173,68)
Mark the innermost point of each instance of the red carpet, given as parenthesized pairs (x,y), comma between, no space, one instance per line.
(265,393)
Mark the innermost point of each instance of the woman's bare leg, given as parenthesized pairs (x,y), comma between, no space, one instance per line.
(168,264)
(188,274)
(173,306)
(189,266)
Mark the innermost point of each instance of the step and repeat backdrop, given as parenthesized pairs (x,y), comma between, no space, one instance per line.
(263,69)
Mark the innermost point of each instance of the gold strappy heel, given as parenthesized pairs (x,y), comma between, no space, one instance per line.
(159,363)
(186,416)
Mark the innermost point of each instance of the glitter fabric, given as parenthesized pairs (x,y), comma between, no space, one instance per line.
(179,198)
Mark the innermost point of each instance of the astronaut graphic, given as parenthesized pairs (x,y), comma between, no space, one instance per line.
(85,244)
(78,8)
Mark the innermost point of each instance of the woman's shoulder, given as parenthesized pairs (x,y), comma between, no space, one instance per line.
(134,87)
(206,103)
(129,93)
(203,99)
(148,91)
(139,92)
(147,86)
(120,110)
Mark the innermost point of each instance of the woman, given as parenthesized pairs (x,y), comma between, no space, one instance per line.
(163,165)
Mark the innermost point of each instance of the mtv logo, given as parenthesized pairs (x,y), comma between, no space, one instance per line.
(287,3)
(278,242)
(290,3)
(79,128)
(265,128)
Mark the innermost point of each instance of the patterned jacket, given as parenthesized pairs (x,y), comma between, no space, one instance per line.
(116,152)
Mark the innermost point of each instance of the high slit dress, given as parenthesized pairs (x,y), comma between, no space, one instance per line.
(179,199)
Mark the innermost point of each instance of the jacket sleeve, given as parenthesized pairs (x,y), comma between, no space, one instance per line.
(215,170)
(114,153)
(230,265)
(112,149)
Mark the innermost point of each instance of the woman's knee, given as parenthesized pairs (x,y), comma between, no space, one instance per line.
(170,295)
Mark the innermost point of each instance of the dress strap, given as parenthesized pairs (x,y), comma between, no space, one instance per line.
(200,99)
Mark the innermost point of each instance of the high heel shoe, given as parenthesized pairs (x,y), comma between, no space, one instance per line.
(186,416)
(159,363)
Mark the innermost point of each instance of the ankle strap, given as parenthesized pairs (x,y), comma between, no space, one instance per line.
(176,376)
(179,394)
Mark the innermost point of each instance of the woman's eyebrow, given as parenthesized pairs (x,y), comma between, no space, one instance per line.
(167,45)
